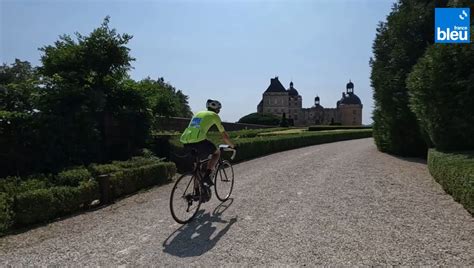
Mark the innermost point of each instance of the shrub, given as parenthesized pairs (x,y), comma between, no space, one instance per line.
(102,169)
(137,161)
(32,184)
(398,45)
(130,180)
(455,172)
(72,177)
(34,206)
(321,128)
(250,148)
(260,119)
(71,199)
(41,205)
(441,95)
(41,198)
(6,212)
(9,185)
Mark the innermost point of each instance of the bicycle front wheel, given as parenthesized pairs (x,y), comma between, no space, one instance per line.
(185,199)
(224,181)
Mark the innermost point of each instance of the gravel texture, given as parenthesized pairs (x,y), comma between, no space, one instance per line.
(340,203)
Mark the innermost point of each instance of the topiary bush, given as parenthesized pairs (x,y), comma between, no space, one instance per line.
(399,43)
(441,95)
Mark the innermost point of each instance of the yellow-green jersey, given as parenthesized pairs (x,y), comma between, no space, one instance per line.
(200,125)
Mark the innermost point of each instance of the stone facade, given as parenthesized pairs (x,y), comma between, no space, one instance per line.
(277,100)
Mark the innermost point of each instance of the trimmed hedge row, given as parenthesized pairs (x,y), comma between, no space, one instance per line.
(124,181)
(44,197)
(319,128)
(249,148)
(455,172)
(44,204)
(259,146)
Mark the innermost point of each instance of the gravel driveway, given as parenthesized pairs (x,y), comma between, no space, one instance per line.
(340,203)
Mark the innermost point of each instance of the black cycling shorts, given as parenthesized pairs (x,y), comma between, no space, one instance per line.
(204,148)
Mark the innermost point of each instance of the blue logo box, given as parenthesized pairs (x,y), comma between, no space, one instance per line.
(452,25)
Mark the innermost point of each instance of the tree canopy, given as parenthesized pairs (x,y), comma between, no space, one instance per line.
(260,119)
(80,105)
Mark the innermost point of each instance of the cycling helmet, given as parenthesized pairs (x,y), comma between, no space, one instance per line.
(213,105)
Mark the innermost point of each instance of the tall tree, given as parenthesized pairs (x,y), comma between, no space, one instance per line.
(441,88)
(86,95)
(163,99)
(398,44)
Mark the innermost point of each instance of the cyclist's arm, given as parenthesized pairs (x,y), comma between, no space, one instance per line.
(221,129)
(227,140)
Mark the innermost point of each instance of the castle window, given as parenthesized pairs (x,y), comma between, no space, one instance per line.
(354,112)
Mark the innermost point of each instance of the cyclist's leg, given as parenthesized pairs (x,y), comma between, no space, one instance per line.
(209,148)
(215,157)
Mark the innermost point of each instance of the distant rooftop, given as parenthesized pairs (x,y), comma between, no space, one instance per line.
(275,86)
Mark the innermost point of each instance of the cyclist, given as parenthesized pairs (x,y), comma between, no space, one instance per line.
(195,136)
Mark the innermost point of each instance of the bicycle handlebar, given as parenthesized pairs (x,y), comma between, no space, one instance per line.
(227,148)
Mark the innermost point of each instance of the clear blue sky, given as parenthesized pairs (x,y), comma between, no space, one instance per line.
(225,50)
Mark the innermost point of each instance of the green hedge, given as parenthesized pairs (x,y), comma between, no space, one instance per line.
(320,128)
(40,198)
(255,147)
(260,119)
(441,95)
(249,148)
(455,172)
(131,180)
(41,205)
(73,177)
(6,212)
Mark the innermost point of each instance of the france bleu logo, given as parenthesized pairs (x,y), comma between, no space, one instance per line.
(452,25)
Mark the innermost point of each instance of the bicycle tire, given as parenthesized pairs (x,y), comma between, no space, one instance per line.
(224,176)
(189,180)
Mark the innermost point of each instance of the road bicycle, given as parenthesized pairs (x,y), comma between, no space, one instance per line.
(188,192)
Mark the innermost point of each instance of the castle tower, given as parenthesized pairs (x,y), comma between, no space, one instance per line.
(295,103)
(274,99)
(349,107)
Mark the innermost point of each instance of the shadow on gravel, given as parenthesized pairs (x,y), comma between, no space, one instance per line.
(194,238)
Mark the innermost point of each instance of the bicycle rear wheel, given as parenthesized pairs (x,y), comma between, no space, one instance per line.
(185,199)
(224,181)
